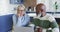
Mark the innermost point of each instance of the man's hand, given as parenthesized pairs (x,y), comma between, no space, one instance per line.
(39,29)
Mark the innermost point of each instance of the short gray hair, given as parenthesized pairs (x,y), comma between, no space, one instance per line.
(21,5)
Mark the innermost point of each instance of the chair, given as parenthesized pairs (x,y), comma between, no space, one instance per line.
(6,23)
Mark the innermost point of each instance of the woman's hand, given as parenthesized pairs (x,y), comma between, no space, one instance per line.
(19,15)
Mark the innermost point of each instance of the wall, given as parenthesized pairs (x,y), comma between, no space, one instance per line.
(50,5)
(7,8)
(3,7)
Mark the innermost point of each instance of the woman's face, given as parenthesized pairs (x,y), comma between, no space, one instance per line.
(21,11)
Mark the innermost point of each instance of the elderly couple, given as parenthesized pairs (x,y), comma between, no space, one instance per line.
(21,19)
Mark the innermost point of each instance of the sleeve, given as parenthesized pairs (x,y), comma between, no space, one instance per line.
(55,30)
(53,24)
(51,18)
(14,20)
(26,21)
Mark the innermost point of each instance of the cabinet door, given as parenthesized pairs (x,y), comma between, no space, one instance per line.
(28,3)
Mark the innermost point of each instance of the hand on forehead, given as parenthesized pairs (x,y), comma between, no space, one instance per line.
(40,7)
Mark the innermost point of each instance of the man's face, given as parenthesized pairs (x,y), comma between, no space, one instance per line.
(21,11)
(41,9)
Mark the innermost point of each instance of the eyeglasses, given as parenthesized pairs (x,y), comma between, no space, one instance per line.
(21,10)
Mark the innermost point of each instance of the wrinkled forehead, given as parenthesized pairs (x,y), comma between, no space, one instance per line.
(41,7)
(21,8)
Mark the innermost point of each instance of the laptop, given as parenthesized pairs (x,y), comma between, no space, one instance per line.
(23,29)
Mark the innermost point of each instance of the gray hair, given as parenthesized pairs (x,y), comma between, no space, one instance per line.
(21,5)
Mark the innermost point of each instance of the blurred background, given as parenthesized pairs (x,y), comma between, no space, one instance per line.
(8,7)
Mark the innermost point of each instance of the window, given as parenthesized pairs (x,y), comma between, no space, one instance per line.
(16,1)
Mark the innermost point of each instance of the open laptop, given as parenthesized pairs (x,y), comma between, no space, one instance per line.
(23,29)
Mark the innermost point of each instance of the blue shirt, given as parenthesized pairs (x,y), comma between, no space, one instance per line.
(20,21)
